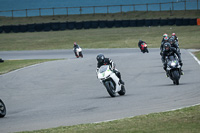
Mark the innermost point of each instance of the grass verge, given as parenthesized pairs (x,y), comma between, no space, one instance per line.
(197,54)
(10,65)
(100,38)
(185,120)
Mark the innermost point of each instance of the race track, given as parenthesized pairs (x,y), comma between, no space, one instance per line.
(67,92)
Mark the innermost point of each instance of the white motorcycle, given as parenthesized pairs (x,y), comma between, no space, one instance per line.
(79,52)
(110,81)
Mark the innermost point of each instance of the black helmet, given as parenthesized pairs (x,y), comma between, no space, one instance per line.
(171,40)
(173,37)
(167,46)
(100,57)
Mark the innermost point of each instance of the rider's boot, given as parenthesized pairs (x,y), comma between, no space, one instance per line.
(122,82)
(181,72)
(119,76)
(167,75)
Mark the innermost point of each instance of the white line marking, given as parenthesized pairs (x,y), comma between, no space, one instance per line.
(194,57)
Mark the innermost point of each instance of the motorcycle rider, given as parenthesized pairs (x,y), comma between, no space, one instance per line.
(175,37)
(165,40)
(75,47)
(101,60)
(174,44)
(140,43)
(164,35)
(169,51)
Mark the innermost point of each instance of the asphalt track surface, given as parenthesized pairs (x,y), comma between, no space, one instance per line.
(67,92)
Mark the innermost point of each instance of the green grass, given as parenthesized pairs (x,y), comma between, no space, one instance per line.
(185,120)
(10,65)
(91,17)
(99,38)
(197,54)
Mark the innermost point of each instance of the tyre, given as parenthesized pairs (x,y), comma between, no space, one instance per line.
(122,91)
(147,50)
(81,54)
(2,109)
(176,77)
(110,88)
(177,82)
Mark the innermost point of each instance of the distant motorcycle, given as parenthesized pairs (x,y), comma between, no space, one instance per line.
(1,60)
(144,48)
(2,109)
(110,81)
(173,69)
(79,52)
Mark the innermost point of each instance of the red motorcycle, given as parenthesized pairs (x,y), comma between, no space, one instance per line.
(144,48)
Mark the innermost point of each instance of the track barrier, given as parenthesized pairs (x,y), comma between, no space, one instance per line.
(198,21)
(94,24)
(98,24)
(1,29)
(47,27)
(86,24)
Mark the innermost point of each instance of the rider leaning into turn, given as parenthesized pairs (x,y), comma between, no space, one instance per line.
(170,51)
(140,43)
(75,47)
(101,60)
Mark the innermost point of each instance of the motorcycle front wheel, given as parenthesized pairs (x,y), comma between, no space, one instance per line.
(2,109)
(176,77)
(110,88)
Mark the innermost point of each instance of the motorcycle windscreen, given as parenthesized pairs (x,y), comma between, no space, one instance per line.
(103,68)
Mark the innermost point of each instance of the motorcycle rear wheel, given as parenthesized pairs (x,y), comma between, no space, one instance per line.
(122,91)
(2,109)
(147,50)
(81,54)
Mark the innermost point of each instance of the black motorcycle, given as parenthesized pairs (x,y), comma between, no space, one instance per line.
(2,109)
(173,69)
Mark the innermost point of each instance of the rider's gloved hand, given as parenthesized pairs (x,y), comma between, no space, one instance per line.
(111,68)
